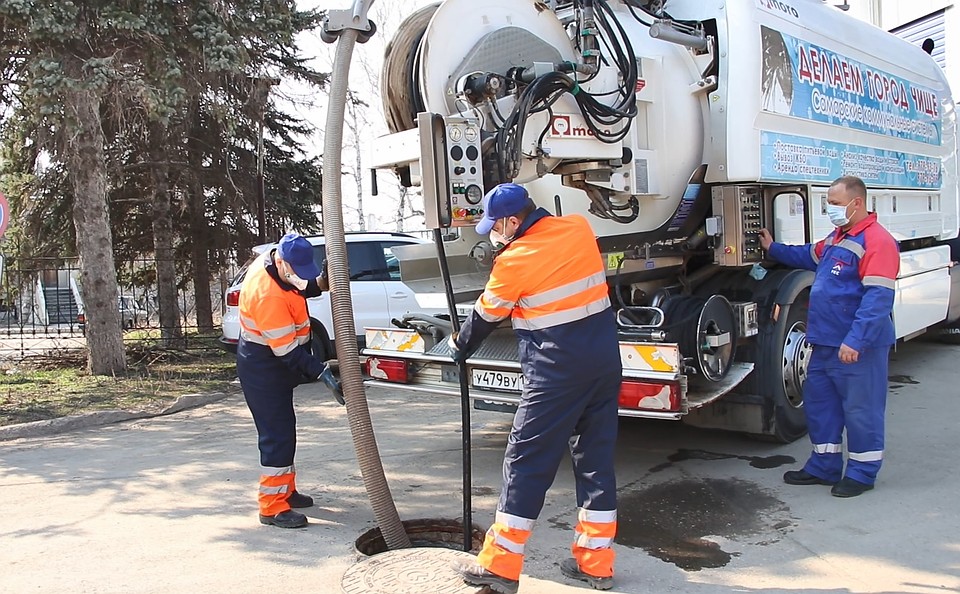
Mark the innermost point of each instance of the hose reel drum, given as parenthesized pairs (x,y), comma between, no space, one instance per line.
(706,330)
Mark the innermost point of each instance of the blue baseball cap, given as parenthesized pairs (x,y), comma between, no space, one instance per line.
(505,200)
(295,250)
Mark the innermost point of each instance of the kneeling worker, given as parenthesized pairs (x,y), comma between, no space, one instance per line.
(274,357)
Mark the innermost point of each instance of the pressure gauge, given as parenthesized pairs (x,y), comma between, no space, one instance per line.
(474,194)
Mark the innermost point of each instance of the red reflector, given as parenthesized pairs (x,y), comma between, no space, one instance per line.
(391,370)
(233,298)
(81,319)
(649,395)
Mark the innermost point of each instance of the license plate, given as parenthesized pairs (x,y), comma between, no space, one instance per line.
(507,381)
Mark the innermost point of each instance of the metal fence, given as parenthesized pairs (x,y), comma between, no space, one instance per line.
(42,312)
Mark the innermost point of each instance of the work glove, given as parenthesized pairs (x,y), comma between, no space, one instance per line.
(331,382)
(456,353)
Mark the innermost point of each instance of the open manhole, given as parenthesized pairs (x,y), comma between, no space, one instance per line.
(427,567)
(430,533)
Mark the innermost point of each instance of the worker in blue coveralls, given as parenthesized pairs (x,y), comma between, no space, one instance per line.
(851,331)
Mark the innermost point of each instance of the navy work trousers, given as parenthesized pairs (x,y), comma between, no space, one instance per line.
(580,416)
(840,395)
(268,389)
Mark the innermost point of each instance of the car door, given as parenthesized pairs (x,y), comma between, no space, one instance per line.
(400,297)
(367,271)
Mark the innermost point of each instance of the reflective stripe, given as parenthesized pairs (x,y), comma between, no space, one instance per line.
(813,253)
(597,516)
(514,522)
(486,315)
(853,246)
(874,456)
(562,292)
(276,471)
(273,490)
(828,240)
(495,301)
(254,338)
(278,333)
(562,317)
(284,349)
(827,448)
(879,281)
(505,543)
(593,542)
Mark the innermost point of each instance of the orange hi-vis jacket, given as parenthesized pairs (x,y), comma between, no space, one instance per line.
(551,280)
(274,317)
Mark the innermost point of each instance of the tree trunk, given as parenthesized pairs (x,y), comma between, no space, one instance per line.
(98,275)
(199,235)
(163,242)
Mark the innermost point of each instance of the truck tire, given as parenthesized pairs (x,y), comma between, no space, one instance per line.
(782,367)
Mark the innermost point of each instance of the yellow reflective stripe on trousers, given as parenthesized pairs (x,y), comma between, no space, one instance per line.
(507,544)
(827,448)
(872,456)
(597,516)
(562,292)
(562,317)
(514,522)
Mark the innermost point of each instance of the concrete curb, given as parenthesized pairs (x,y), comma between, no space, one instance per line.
(103,417)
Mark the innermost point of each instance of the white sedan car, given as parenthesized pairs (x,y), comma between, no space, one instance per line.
(375,286)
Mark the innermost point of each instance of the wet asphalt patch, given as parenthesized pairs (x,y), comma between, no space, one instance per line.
(765,462)
(673,521)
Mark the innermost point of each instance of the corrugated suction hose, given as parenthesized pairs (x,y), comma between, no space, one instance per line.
(361,427)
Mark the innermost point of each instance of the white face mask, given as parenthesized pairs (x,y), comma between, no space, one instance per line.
(498,240)
(838,214)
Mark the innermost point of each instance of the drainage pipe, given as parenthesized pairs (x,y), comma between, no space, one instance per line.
(361,427)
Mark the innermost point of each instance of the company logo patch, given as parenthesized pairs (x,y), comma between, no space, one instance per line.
(837,269)
(566,126)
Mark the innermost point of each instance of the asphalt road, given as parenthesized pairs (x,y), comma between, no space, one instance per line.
(168,504)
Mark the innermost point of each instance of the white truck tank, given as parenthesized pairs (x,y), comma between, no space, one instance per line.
(791,92)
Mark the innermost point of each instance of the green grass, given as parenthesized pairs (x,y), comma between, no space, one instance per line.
(47,388)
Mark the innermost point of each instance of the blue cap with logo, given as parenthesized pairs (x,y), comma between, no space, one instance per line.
(296,251)
(504,200)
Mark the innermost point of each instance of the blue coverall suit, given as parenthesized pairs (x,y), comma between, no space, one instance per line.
(268,378)
(551,281)
(850,303)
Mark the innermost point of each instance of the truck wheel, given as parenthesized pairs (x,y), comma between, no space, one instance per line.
(320,344)
(785,355)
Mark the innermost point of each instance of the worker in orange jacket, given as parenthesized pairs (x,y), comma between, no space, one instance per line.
(550,279)
(273,357)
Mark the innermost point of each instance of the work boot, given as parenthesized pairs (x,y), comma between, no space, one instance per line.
(299,500)
(802,477)
(287,519)
(847,487)
(475,575)
(569,568)
(331,382)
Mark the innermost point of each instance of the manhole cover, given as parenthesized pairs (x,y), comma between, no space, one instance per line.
(407,571)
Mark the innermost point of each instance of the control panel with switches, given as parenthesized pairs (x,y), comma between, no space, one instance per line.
(738,217)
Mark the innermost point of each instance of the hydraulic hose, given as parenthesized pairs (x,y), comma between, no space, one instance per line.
(358,414)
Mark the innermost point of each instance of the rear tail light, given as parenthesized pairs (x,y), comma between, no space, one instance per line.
(649,395)
(391,370)
(81,319)
(233,298)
